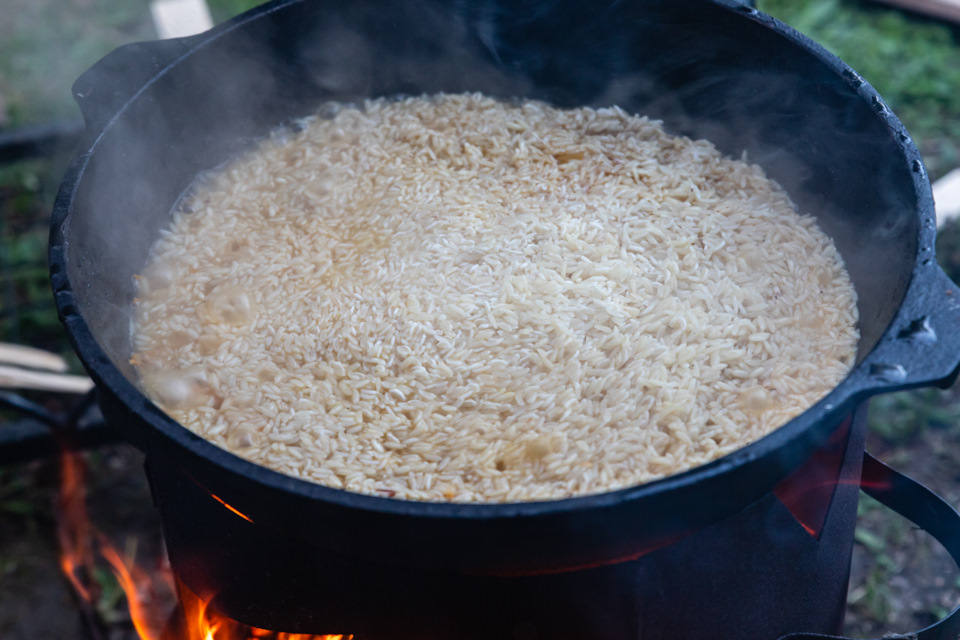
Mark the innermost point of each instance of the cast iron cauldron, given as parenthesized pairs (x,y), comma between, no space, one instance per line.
(749,546)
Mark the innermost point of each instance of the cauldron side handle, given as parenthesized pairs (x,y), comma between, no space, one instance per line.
(922,346)
(925,509)
(102,90)
(117,78)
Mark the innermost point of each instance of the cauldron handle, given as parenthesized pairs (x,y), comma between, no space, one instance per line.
(103,89)
(922,346)
(925,509)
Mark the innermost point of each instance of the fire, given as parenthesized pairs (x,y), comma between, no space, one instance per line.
(202,624)
(83,548)
(74,535)
(231,508)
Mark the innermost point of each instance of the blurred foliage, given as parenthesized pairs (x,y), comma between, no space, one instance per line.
(46,44)
(221,10)
(911,62)
(30,280)
(15,498)
(27,313)
(898,417)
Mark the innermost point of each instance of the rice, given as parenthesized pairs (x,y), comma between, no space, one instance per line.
(454,298)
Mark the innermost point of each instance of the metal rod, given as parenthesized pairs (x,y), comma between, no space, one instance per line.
(43,432)
(32,409)
(33,142)
(24,441)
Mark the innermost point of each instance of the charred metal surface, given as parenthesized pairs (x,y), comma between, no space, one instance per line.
(695,588)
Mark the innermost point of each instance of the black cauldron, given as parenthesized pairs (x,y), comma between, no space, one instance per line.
(754,545)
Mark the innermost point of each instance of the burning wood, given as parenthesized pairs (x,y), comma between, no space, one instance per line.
(203,624)
(84,549)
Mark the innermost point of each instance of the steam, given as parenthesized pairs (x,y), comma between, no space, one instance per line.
(738,86)
(706,70)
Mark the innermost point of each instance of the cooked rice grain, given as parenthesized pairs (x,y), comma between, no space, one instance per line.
(456,298)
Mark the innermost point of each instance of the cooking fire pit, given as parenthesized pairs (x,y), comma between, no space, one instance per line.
(754,545)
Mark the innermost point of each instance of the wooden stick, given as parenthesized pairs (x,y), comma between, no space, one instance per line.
(22,356)
(14,378)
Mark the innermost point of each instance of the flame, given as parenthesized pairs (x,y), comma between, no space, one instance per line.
(204,624)
(135,584)
(231,508)
(83,548)
(198,626)
(73,532)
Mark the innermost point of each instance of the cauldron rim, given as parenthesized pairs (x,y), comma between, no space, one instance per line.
(769,454)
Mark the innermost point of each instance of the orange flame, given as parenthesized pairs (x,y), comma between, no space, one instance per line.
(204,624)
(231,508)
(82,547)
(135,583)
(73,532)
